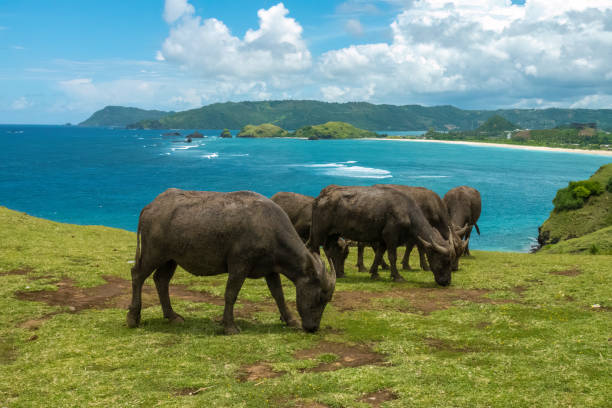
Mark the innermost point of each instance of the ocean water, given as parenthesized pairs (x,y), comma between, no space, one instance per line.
(105,176)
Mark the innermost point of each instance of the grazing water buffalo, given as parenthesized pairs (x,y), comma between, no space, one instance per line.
(377,214)
(299,209)
(243,234)
(436,213)
(464,206)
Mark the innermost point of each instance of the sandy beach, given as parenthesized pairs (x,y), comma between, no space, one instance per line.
(510,146)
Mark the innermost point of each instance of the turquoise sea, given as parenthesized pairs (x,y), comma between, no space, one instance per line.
(105,176)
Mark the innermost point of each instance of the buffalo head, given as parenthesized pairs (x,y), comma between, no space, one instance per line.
(313,291)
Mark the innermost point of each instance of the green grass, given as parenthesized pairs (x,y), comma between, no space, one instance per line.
(595,243)
(594,215)
(543,346)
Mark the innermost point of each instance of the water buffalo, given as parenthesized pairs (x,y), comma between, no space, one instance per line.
(464,206)
(299,209)
(243,234)
(436,213)
(377,214)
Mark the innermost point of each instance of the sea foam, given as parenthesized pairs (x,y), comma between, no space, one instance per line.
(343,170)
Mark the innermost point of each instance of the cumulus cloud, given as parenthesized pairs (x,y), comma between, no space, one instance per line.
(207,47)
(175,9)
(476,47)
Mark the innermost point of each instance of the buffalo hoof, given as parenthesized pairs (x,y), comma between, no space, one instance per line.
(176,319)
(362,269)
(132,320)
(406,267)
(291,322)
(229,330)
(375,276)
(398,278)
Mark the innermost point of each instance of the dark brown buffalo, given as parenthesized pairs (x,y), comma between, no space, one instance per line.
(378,214)
(436,213)
(243,234)
(464,206)
(299,209)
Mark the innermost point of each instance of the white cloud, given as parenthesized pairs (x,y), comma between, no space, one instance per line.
(21,103)
(208,48)
(175,9)
(354,27)
(476,47)
(593,102)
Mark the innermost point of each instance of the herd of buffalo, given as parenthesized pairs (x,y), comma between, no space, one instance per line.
(247,235)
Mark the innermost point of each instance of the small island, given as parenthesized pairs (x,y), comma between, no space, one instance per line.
(329,130)
(226,134)
(263,130)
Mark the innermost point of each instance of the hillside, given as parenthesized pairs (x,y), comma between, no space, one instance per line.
(333,130)
(66,289)
(263,130)
(120,116)
(294,114)
(581,208)
(495,124)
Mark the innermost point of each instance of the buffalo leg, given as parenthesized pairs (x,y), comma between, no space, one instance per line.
(162,277)
(467,236)
(392,253)
(406,258)
(139,274)
(336,254)
(235,280)
(422,259)
(360,249)
(380,250)
(276,289)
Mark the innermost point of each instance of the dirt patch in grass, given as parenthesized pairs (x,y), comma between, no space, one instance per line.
(117,293)
(348,356)
(424,300)
(257,371)
(24,271)
(443,345)
(483,325)
(519,290)
(377,398)
(568,272)
(310,404)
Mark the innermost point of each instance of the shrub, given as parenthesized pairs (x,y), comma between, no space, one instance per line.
(609,185)
(576,194)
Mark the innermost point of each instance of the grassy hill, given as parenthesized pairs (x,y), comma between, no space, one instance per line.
(577,216)
(294,114)
(496,124)
(333,130)
(521,323)
(263,130)
(120,116)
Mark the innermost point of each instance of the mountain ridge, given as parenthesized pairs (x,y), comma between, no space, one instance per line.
(293,114)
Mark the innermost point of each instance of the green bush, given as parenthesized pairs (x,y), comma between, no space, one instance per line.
(609,186)
(576,194)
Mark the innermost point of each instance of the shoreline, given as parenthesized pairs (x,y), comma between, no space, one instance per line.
(510,146)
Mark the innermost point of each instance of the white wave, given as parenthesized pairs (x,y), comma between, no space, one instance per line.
(419,177)
(211,155)
(341,169)
(184,147)
(358,172)
(165,154)
(140,138)
(238,155)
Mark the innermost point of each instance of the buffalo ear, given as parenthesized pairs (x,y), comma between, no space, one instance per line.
(342,243)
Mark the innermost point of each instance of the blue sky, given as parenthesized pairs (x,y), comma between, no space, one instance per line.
(62,60)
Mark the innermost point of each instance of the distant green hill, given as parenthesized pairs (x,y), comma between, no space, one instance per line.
(496,123)
(120,116)
(333,130)
(581,209)
(263,130)
(294,114)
